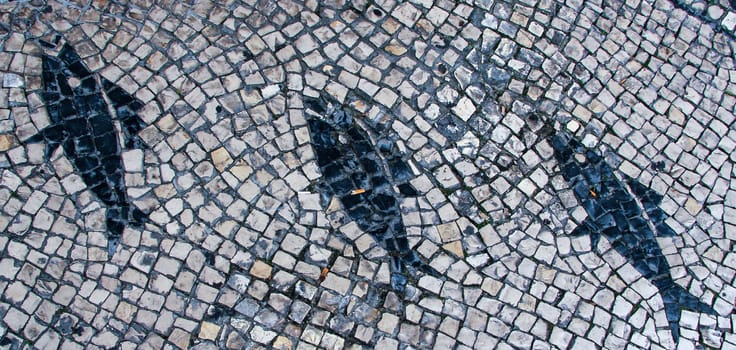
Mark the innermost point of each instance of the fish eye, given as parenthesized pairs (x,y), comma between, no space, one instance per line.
(580,157)
(73,82)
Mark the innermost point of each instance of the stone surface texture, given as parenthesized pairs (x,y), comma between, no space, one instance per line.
(367,174)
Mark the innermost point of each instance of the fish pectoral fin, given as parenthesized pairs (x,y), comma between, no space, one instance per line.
(130,121)
(315,106)
(582,230)
(585,229)
(407,190)
(675,300)
(73,61)
(52,139)
(595,237)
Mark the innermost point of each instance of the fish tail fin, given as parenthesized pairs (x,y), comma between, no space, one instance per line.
(115,227)
(401,260)
(412,259)
(677,299)
(117,219)
(404,254)
(398,279)
(137,217)
(399,263)
(133,216)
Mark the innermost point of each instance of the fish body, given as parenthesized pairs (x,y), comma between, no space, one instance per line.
(354,172)
(615,214)
(80,122)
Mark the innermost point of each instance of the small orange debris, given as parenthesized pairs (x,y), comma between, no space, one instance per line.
(593,194)
(358,191)
(323,274)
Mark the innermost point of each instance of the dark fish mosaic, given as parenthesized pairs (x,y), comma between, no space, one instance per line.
(82,125)
(362,176)
(615,214)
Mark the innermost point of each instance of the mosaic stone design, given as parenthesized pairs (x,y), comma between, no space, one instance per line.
(720,14)
(355,172)
(615,214)
(239,251)
(81,123)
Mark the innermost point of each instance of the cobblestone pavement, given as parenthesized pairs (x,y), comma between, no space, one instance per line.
(391,175)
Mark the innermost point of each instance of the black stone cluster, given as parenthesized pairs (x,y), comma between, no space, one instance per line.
(614,213)
(354,171)
(82,125)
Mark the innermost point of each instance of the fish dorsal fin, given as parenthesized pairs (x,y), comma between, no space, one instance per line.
(116,94)
(73,62)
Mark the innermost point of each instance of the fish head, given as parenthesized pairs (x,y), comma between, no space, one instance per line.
(340,119)
(323,134)
(328,111)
